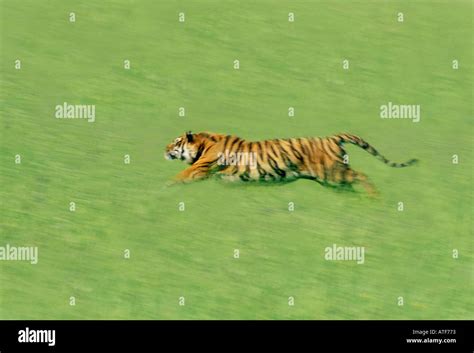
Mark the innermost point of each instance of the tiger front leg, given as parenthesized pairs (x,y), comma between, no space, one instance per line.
(193,173)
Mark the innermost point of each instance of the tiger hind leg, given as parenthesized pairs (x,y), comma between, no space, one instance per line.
(350,177)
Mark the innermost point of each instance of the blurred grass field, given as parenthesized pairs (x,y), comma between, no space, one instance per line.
(190,253)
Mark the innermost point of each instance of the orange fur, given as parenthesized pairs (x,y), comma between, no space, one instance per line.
(319,159)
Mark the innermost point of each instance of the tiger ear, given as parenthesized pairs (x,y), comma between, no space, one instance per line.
(189,136)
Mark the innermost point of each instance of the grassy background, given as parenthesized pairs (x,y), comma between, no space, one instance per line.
(190,253)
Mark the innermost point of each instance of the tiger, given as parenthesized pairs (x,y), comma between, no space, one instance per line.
(323,160)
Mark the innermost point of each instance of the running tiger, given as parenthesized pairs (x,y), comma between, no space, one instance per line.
(320,159)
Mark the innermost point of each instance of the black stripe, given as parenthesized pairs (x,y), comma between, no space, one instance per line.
(226,141)
(285,152)
(199,152)
(303,147)
(260,150)
(296,152)
(240,145)
(272,148)
(233,143)
(336,154)
(261,172)
(275,167)
(245,176)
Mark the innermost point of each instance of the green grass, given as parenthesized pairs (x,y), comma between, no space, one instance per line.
(190,253)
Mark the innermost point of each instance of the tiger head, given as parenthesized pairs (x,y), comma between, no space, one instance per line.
(183,147)
(189,146)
